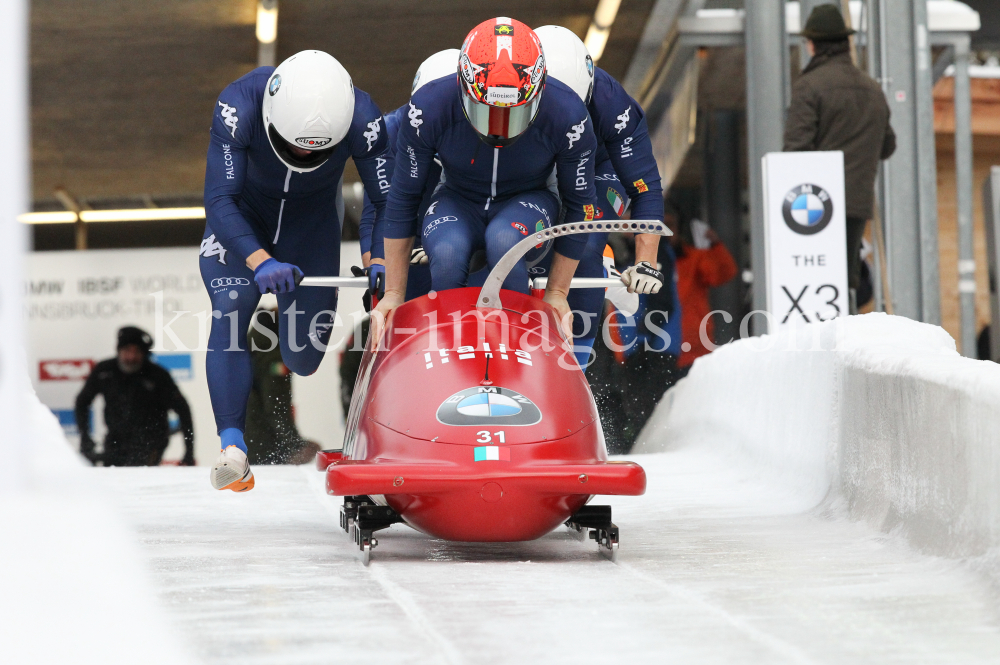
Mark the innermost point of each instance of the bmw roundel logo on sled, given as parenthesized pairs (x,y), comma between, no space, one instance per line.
(488,405)
(807,209)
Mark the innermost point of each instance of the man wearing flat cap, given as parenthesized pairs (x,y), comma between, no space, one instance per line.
(138,394)
(836,106)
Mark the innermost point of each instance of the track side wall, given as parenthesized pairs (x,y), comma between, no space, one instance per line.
(875,415)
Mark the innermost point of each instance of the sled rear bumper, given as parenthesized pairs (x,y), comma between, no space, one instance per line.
(355,478)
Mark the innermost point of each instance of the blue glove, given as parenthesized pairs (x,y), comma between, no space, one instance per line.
(273,276)
(376,280)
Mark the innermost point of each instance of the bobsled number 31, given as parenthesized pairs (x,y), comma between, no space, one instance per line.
(465,424)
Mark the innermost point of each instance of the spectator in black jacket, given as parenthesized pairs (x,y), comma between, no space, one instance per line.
(137,396)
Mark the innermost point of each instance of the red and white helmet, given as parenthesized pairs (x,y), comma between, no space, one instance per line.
(502,71)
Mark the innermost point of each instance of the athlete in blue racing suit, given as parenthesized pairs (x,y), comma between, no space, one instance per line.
(268,223)
(626,175)
(492,197)
(419,281)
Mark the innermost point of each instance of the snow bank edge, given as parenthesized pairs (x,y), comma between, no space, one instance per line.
(878,414)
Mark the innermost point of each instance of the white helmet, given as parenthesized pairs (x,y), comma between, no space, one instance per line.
(308,108)
(440,64)
(567,59)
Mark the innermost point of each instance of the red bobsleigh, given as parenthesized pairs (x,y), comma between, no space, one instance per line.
(471,421)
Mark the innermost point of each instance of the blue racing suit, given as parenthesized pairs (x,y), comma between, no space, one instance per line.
(419,282)
(253,201)
(491,198)
(626,175)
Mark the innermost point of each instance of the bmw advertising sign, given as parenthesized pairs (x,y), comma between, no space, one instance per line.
(807,209)
(488,405)
(805,238)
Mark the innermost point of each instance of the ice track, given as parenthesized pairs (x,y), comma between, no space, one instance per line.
(713,568)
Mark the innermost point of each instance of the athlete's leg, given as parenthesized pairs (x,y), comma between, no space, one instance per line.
(307,317)
(234,298)
(311,241)
(588,304)
(478,278)
(452,230)
(510,223)
(418,283)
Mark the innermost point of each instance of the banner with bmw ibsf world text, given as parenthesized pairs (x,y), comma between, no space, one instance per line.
(75,302)
(805,233)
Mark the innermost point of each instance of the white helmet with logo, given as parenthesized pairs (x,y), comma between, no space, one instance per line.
(567,59)
(440,64)
(308,108)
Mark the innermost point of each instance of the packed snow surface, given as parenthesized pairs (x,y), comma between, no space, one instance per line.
(713,568)
(811,500)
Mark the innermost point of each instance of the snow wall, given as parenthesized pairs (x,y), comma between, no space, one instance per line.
(876,415)
(73,584)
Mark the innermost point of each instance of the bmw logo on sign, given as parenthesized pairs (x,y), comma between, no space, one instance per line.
(488,405)
(807,209)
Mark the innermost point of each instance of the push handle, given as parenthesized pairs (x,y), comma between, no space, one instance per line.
(336,282)
(489,296)
(537,283)
(581,283)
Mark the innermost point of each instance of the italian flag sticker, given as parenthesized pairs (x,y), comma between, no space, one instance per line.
(495,453)
(616,202)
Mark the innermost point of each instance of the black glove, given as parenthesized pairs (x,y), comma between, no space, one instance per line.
(376,279)
(87,447)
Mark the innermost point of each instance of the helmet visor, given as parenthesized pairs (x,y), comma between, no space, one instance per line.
(500,125)
(297,158)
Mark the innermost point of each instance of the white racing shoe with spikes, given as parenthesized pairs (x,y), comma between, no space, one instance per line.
(232,471)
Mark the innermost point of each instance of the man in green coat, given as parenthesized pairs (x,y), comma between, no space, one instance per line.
(836,106)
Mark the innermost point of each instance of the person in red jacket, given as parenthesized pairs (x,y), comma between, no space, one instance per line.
(700,266)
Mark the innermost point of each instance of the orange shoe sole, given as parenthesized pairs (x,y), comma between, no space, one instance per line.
(240,486)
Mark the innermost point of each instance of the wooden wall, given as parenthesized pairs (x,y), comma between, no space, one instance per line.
(986,149)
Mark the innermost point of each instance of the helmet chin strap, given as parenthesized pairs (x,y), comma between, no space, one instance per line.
(495,141)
